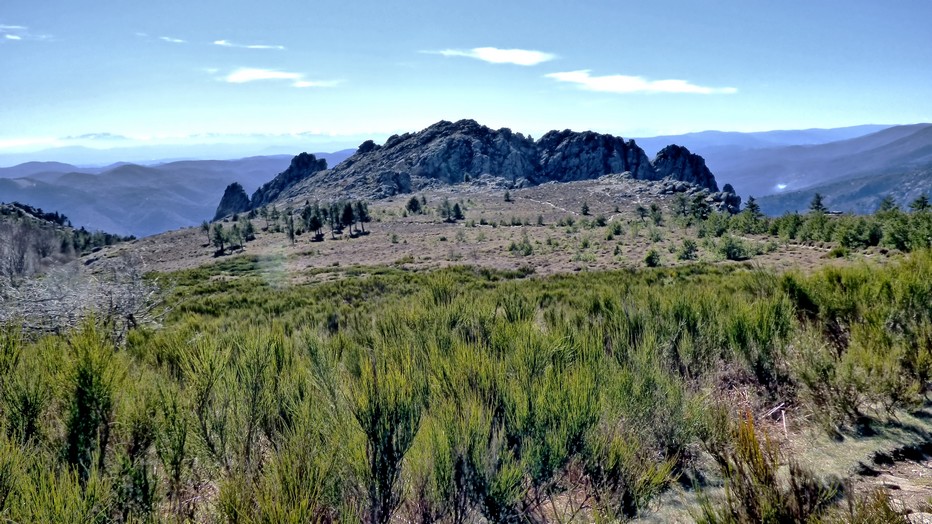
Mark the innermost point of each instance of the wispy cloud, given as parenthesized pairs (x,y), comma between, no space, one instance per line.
(19,32)
(97,136)
(316,83)
(625,84)
(227,43)
(494,55)
(248,74)
(172,40)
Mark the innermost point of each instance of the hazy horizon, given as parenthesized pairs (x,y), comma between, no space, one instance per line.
(237,148)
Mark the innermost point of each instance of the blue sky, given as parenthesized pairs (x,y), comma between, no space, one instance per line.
(116,73)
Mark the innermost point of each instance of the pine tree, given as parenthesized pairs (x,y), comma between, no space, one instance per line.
(642,212)
(414,206)
(316,224)
(249,232)
(219,236)
(362,214)
(347,216)
(289,227)
(817,205)
(887,205)
(753,208)
(656,215)
(920,204)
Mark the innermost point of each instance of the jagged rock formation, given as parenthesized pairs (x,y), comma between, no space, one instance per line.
(463,151)
(678,163)
(235,200)
(302,167)
(567,156)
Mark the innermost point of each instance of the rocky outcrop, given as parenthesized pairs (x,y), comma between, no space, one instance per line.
(465,151)
(566,156)
(235,200)
(677,163)
(302,167)
(447,152)
(724,200)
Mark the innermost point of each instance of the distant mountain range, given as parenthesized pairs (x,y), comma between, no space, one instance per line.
(131,199)
(711,144)
(853,167)
(107,151)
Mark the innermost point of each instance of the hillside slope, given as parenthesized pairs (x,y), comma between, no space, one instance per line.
(858,195)
(761,172)
(131,199)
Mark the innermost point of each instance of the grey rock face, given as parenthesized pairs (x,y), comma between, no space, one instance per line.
(302,167)
(454,152)
(235,200)
(390,183)
(465,151)
(678,163)
(566,156)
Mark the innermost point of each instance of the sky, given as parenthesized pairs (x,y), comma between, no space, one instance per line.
(119,73)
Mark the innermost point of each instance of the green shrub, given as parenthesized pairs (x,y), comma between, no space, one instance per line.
(754,491)
(90,404)
(386,399)
(731,248)
(688,250)
(652,259)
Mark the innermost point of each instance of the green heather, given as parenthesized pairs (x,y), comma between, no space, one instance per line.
(454,395)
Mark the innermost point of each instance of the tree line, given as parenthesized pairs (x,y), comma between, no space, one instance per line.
(336,216)
(32,240)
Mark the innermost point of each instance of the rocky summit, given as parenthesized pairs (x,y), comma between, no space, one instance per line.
(235,200)
(465,151)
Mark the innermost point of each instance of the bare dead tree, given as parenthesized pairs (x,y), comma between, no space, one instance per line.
(121,296)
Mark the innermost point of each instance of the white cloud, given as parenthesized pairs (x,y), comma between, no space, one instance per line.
(13,37)
(247,74)
(172,40)
(625,84)
(494,55)
(227,43)
(315,83)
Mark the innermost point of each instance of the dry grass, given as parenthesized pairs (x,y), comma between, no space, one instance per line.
(425,241)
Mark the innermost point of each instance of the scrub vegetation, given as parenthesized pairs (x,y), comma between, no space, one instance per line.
(459,395)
